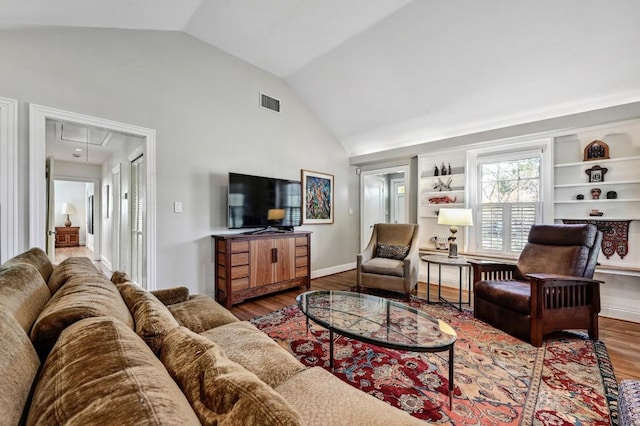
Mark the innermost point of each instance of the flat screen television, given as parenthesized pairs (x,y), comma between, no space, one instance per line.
(263,202)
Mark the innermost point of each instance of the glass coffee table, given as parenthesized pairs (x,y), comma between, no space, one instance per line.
(378,321)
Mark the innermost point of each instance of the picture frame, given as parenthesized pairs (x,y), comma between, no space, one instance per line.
(317,202)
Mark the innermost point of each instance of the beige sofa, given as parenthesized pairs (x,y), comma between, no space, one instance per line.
(80,349)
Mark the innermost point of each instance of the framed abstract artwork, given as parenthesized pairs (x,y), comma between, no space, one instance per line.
(317,203)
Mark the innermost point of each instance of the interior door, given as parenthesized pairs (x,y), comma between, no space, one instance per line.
(138,206)
(374,208)
(50,237)
(397,201)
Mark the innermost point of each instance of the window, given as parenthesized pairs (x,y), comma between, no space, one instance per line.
(509,200)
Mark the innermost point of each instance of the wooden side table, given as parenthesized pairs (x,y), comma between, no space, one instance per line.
(67,236)
(440,260)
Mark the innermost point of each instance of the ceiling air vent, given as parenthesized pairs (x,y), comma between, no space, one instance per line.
(269,103)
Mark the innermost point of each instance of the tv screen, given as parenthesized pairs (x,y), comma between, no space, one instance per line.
(264,202)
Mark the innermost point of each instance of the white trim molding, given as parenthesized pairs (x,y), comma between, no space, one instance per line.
(38,116)
(8,178)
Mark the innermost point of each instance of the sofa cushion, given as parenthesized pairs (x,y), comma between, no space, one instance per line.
(392,251)
(384,266)
(36,257)
(19,365)
(323,399)
(23,293)
(201,313)
(255,351)
(152,319)
(80,297)
(100,372)
(70,267)
(220,390)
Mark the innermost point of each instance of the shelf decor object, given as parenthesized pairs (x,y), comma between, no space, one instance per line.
(454,218)
(596,173)
(615,235)
(596,150)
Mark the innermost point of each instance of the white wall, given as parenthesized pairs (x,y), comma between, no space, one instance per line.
(203,104)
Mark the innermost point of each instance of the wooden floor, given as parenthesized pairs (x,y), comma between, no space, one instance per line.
(622,338)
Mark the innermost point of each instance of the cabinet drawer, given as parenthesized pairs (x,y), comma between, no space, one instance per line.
(301,251)
(301,262)
(239,284)
(239,259)
(301,272)
(301,241)
(239,246)
(239,272)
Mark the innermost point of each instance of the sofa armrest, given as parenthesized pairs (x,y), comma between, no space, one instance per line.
(171,296)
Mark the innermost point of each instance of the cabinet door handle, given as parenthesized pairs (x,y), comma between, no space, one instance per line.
(274,255)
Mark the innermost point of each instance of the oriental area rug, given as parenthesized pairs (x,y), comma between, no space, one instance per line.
(499,380)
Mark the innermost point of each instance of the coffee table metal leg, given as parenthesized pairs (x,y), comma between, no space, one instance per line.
(331,349)
(451,377)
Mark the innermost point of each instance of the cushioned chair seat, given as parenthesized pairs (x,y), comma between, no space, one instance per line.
(514,294)
(382,266)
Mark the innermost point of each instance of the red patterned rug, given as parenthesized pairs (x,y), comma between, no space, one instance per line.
(499,380)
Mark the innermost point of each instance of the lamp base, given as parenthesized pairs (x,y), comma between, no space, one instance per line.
(67,222)
(453,249)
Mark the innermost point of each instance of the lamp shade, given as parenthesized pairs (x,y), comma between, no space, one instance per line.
(68,208)
(459,217)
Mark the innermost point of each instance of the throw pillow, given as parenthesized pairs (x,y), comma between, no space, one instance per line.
(390,251)
(153,320)
(19,365)
(201,313)
(100,372)
(221,391)
(68,268)
(23,293)
(81,297)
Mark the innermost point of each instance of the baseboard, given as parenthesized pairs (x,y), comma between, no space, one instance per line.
(609,312)
(333,270)
(106,263)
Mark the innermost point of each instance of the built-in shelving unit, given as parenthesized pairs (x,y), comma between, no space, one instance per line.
(614,205)
(431,190)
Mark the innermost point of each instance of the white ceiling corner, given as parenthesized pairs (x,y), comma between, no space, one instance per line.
(390,73)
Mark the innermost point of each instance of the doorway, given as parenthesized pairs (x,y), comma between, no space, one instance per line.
(383,197)
(39,115)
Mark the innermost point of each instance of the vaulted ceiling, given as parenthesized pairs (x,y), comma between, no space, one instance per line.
(390,73)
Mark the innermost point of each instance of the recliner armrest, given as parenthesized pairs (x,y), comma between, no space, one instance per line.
(490,270)
(557,277)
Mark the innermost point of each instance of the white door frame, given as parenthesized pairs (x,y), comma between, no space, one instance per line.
(8,178)
(38,116)
(387,170)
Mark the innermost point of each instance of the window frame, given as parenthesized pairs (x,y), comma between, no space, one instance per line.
(507,150)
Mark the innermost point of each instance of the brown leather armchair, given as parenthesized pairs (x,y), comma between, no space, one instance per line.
(391,259)
(549,289)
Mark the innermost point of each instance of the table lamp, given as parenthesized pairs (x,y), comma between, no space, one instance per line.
(68,208)
(455,218)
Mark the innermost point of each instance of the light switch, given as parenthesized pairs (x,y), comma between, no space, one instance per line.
(177,207)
